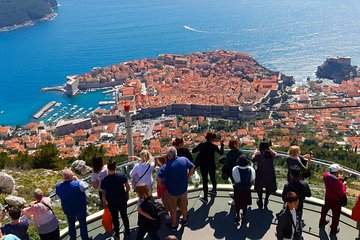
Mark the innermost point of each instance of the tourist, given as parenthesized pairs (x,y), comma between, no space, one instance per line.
(232,156)
(160,187)
(146,213)
(73,201)
(8,236)
(175,175)
(243,176)
(355,215)
(298,186)
(335,193)
(18,226)
(288,227)
(303,162)
(99,173)
(206,161)
(115,193)
(45,221)
(263,158)
(181,150)
(142,171)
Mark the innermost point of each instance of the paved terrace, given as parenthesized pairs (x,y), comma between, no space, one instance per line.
(215,220)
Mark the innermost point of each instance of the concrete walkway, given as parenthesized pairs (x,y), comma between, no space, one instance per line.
(215,221)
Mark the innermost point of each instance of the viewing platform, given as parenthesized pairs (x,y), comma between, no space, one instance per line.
(215,220)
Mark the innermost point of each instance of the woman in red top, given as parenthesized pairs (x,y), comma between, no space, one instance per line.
(335,192)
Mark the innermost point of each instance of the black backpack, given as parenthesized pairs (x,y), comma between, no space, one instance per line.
(159,214)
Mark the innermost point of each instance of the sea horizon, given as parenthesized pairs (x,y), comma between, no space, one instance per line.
(292,37)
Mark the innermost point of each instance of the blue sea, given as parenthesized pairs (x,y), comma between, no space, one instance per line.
(292,36)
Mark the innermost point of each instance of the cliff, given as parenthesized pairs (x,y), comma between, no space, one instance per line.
(337,69)
(18,13)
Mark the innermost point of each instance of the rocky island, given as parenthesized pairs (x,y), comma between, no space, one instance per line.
(19,13)
(337,69)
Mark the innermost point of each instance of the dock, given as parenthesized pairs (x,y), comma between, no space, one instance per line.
(101,103)
(44,109)
(57,88)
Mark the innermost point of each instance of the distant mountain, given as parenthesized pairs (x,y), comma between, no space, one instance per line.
(19,13)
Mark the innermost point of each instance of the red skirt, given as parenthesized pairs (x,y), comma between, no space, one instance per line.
(242,198)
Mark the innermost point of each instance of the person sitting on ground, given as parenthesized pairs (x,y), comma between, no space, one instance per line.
(142,171)
(8,236)
(288,227)
(335,192)
(146,213)
(243,176)
(160,187)
(303,162)
(175,175)
(115,195)
(298,186)
(265,173)
(99,173)
(45,221)
(18,226)
(182,151)
(206,161)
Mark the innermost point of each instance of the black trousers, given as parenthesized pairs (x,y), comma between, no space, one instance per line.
(205,171)
(54,235)
(114,209)
(152,233)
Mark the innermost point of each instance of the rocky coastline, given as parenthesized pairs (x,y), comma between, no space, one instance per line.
(49,17)
(337,69)
(25,13)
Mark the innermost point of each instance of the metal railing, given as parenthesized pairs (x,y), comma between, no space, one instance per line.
(317,161)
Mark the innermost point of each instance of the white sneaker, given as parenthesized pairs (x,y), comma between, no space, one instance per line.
(231,194)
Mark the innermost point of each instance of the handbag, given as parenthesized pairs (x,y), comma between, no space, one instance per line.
(107,221)
(225,173)
(344,201)
(135,181)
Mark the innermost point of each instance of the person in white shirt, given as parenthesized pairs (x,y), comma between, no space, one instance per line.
(142,171)
(243,176)
(45,221)
(99,173)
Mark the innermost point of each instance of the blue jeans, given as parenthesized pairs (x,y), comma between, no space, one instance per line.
(81,217)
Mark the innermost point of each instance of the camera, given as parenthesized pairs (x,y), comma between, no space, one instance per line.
(6,208)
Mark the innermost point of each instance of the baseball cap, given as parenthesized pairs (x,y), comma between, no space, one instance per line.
(335,168)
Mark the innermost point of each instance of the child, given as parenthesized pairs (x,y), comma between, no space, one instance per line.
(243,176)
(146,213)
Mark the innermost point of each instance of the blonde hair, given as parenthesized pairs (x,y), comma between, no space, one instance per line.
(145,156)
(294,151)
(143,191)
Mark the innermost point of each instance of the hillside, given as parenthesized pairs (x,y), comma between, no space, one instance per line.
(18,13)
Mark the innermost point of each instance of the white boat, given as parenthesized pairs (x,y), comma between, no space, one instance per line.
(1,112)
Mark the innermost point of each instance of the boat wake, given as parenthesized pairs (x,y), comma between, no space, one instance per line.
(194,30)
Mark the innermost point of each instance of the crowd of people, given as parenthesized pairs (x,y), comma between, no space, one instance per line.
(172,172)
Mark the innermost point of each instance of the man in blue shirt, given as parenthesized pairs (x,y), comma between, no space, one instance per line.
(174,175)
(73,202)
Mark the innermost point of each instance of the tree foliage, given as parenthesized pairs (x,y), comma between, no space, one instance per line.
(47,157)
(91,151)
